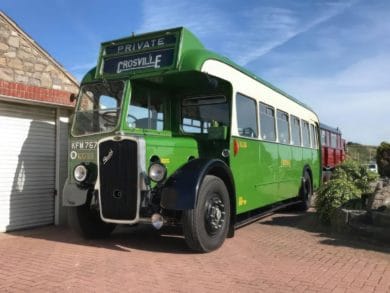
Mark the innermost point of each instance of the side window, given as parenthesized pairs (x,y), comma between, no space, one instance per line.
(333,140)
(267,122)
(305,134)
(328,138)
(323,137)
(295,130)
(314,138)
(198,114)
(283,127)
(246,116)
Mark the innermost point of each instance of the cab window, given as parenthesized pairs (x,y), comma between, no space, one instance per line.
(198,114)
(147,108)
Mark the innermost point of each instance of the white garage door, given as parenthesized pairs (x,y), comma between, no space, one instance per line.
(27,166)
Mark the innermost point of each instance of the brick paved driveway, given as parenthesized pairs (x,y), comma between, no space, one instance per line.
(286,252)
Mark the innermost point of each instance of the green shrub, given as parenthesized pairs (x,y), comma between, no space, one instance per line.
(349,170)
(332,195)
(349,180)
(355,173)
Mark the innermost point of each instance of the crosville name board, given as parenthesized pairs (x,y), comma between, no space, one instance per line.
(149,60)
(139,54)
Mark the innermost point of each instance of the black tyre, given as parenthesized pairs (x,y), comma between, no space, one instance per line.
(86,221)
(306,192)
(206,226)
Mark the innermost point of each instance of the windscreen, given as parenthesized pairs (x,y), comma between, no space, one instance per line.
(98,108)
(147,107)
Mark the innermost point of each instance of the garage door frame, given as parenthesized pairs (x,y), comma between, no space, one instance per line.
(62,114)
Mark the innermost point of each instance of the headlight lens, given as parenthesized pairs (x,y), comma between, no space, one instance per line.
(157,172)
(80,173)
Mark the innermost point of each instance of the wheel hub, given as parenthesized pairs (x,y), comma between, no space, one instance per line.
(215,215)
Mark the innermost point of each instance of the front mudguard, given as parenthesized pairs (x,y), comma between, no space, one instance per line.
(180,191)
(73,195)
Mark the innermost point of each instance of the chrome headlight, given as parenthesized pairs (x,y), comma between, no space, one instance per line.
(157,172)
(80,173)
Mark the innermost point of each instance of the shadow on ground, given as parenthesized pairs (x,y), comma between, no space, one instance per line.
(170,240)
(124,238)
(309,222)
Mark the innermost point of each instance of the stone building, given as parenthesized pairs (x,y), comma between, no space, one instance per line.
(35,107)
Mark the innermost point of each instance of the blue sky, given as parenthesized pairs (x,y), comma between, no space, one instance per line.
(332,55)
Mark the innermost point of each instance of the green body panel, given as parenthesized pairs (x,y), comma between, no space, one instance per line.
(289,169)
(266,172)
(172,151)
(255,182)
(82,150)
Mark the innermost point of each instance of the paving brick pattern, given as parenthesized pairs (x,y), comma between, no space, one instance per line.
(286,252)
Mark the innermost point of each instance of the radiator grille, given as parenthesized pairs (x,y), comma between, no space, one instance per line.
(118,179)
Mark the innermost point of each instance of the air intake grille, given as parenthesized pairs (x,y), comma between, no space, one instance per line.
(118,179)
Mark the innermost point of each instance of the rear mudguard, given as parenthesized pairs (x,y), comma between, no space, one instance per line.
(180,191)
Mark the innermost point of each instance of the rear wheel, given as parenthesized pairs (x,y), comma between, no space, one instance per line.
(86,221)
(206,226)
(306,192)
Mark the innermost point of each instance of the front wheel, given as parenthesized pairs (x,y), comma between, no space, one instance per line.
(86,221)
(206,226)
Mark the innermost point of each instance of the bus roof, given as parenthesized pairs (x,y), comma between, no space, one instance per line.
(161,52)
(329,128)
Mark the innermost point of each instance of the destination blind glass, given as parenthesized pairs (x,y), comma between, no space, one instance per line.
(140,45)
(158,59)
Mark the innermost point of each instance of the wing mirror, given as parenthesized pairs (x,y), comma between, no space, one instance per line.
(72,97)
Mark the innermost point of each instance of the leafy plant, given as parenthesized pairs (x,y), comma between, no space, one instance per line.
(332,195)
(355,173)
(349,180)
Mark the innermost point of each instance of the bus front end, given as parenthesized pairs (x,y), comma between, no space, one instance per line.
(121,152)
(147,135)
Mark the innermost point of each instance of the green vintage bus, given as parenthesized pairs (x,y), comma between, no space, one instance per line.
(166,132)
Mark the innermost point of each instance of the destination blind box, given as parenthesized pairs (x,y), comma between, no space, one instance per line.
(142,53)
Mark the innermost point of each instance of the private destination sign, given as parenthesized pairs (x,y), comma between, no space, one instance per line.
(152,53)
(141,45)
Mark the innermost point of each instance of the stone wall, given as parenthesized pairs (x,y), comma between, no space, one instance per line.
(23,61)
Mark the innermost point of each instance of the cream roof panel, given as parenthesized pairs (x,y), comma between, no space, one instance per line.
(248,86)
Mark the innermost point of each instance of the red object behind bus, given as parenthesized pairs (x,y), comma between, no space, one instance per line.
(332,147)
